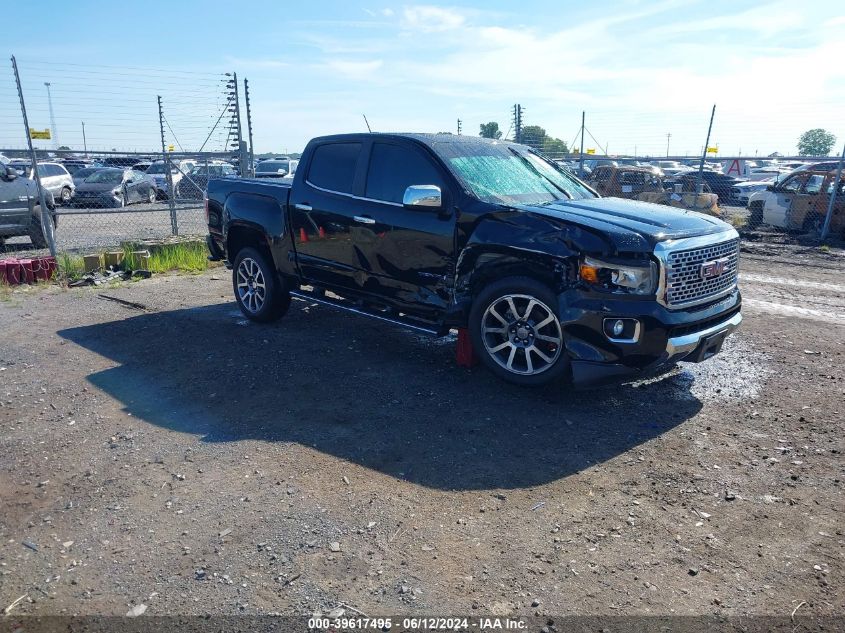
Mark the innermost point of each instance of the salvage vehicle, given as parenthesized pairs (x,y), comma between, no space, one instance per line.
(192,186)
(640,183)
(20,209)
(113,187)
(799,202)
(435,232)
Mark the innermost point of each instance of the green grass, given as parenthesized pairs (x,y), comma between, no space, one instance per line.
(70,267)
(824,248)
(187,257)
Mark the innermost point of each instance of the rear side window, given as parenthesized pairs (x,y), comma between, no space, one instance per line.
(394,168)
(333,166)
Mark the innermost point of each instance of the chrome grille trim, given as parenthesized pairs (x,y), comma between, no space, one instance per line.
(681,285)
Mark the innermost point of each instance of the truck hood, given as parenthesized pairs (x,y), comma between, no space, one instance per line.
(630,225)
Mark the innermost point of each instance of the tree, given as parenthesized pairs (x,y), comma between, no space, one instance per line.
(536,137)
(816,142)
(490,130)
(64,148)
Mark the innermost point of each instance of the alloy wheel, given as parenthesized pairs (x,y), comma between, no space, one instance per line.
(252,290)
(521,334)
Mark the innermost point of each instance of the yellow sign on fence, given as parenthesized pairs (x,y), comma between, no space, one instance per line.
(591,150)
(39,134)
(170,148)
(712,150)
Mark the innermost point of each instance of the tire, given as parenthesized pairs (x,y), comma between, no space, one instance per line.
(755,218)
(516,307)
(151,195)
(36,234)
(812,224)
(252,272)
(65,195)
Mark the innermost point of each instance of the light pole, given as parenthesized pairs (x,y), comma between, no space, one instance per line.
(668,136)
(52,116)
(84,141)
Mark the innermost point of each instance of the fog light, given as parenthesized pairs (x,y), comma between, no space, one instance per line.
(622,330)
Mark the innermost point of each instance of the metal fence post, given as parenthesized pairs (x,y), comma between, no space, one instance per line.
(581,158)
(698,185)
(251,170)
(46,221)
(171,192)
(829,216)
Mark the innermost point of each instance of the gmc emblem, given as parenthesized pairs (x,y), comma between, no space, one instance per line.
(714,268)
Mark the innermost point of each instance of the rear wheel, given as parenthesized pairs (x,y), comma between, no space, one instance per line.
(151,196)
(66,195)
(260,293)
(516,331)
(812,224)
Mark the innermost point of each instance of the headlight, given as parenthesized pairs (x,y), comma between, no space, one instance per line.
(621,278)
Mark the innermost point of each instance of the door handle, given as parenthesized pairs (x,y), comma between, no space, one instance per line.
(302,207)
(363,219)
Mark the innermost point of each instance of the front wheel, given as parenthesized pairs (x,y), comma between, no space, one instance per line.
(151,196)
(516,331)
(755,217)
(66,195)
(260,293)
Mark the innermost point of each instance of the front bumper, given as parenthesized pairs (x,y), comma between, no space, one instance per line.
(665,337)
(105,200)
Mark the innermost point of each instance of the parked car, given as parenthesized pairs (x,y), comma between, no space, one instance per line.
(799,202)
(434,232)
(741,191)
(671,167)
(5,159)
(113,187)
(194,184)
(54,178)
(143,165)
(718,183)
(20,207)
(284,168)
(624,182)
(157,171)
(81,174)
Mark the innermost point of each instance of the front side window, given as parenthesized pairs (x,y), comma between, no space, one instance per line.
(394,168)
(814,184)
(793,184)
(333,166)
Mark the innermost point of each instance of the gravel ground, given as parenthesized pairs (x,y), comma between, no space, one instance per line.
(184,459)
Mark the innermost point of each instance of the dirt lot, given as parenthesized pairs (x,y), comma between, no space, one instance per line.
(182,458)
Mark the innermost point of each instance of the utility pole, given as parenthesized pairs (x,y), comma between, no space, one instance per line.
(517,122)
(459,127)
(241,152)
(46,221)
(84,141)
(581,159)
(251,169)
(171,194)
(668,136)
(52,116)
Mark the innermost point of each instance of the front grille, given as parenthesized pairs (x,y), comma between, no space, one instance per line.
(684,284)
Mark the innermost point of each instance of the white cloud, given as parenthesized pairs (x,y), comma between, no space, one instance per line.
(354,69)
(431,19)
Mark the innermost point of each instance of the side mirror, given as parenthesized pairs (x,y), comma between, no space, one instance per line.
(428,196)
(11,174)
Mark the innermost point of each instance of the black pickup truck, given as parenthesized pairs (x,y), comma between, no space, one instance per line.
(439,231)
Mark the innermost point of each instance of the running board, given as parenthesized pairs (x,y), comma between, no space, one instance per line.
(342,305)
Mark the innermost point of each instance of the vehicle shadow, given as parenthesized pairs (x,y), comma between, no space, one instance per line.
(368,393)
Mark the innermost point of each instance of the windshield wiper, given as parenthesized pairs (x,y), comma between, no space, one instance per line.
(541,174)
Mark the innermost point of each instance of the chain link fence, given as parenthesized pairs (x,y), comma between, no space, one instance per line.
(122,154)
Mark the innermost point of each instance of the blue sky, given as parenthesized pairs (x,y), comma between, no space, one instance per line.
(641,70)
